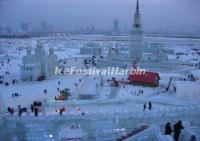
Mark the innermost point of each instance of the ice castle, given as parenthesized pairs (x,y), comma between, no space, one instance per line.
(39,65)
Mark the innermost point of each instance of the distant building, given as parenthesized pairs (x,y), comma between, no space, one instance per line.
(93,29)
(24,27)
(116,27)
(44,27)
(39,65)
(90,30)
(6,30)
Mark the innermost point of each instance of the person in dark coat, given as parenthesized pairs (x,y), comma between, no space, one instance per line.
(32,108)
(24,110)
(20,112)
(10,110)
(177,130)
(193,138)
(144,107)
(61,111)
(34,103)
(39,103)
(168,129)
(150,105)
(36,111)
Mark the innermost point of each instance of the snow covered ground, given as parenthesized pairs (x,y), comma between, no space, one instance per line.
(125,98)
(29,91)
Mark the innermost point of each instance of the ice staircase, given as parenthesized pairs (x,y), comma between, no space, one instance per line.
(151,134)
(189,131)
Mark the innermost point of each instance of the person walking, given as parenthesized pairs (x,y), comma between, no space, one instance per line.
(177,130)
(144,107)
(36,111)
(150,106)
(32,108)
(61,111)
(168,129)
(20,112)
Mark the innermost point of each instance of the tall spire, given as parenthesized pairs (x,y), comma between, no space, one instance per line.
(137,7)
(136,38)
(137,17)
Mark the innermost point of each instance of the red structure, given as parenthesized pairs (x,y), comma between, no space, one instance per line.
(144,78)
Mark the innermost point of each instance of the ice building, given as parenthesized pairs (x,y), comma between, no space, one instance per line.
(135,47)
(40,65)
(115,58)
(91,49)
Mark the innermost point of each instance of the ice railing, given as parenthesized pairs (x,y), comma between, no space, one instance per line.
(114,116)
(170,112)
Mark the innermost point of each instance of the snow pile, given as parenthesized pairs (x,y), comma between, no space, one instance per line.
(188,90)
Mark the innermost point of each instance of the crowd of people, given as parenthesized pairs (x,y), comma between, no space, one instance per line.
(35,107)
(15,95)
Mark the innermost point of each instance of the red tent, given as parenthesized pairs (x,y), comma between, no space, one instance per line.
(144,78)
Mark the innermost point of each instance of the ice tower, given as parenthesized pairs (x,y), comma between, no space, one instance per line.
(136,38)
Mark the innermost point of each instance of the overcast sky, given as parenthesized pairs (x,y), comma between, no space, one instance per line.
(180,15)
